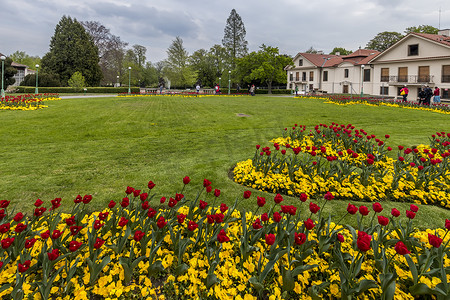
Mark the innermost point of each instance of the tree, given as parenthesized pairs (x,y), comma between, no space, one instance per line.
(422,29)
(342,51)
(177,67)
(22,58)
(202,63)
(220,60)
(9,72)
(384,40)
(72,49)
(77,81)
(140,52)
(45,79)
(234,37)
(111,51)
(267,65)
(311,50)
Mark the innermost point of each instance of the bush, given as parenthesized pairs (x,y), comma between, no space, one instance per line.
(62,90)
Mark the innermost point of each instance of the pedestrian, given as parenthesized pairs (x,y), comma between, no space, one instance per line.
(404,92)
(428,95)
(198,88)
(422,96)
(252,90)
(238,88)
(437,95)
(217,89)
(296,91)
(160,88)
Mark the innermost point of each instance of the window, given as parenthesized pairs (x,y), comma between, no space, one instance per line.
(366,75)
(300,62)
(296,76)
(303,76)
(345,73)
(384,75)
(311,76)
(403,74)
(345,89)
(291,78)
(311,87)
(424,74)
(325,75)
(384,90)
(445,73)
(413,49)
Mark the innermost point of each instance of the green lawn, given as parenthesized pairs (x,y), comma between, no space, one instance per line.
(99,146)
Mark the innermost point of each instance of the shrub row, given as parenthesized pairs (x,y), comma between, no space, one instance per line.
(28,89)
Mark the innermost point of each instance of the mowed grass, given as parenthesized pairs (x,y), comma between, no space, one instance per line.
(100,146)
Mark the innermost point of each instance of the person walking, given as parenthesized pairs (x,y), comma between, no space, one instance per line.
(437,95)
(428,95)
(422,96)
(252,90)
(404,92)
(198,88)
(296,90)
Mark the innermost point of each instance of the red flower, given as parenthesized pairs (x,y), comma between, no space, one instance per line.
(24,267)
(151,185)
(377,207)
(75,229)
(314,208)
(261,201)
(103,215)
(7,242)
(309,224)
(143,196)
(216,192)
(162,200)
(53,255)
(219,217)
(401,248)
(410,214)
(292,210)
(340,238)
(151,213)
(395,212)
(300,238)
(45,235)
(145,205)
(2,214)
(186,180)
(70,221)
(87,199)
(210,219)
(328,196)
(123,221)
(18,217)
(202,204)
(192,226)
(447,224)
(98,243)
(257,224)
(129,190)
(413,208)
(383,221)
(223,207)
(125,202)
(161,222)
(20,227)
(74,246)
(4,228)
(206,182)
(278,198)
(181,218)
(277,217)
(138,235)
(265,217)
(30,243)
(172,202)
(363,241)
(352,209)
(303,197)
(56,203)
(136,193)
(111,204)
(247,194)
(78,199)
(270,239)
(434,240)
(56,234)
(4,203)
(208,189)
(178,197)
(363,210)
(98,224)
(38,202)
(222,236)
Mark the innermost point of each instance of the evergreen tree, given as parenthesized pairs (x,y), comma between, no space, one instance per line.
(177,67)
(234,37)
(72,49)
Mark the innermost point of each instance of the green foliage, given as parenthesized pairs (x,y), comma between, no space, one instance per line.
(234,37)
(422,29)
(77,81)
(72,49)
(342,51)
(22,58)
(62,90)
(45,79)
(311,50)
(384,40)
(8,73)
(177,67)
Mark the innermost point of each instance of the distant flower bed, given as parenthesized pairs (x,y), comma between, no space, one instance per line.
(183,94)
(193,248)
(376,101)
(27,102)
(350,163)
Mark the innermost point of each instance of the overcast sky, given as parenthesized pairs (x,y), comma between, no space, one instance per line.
(291,25)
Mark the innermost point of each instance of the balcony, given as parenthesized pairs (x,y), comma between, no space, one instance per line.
(408,79)
(445,78)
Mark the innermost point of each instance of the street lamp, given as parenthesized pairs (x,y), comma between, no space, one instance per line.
(3,71)
(321,71)
(362,78)
(292,86)
(118,83)
(219,81)
(37,72)
(229,82)
(129,80)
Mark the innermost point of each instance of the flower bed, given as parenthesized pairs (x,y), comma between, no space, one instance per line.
(191,248)
(27,102)
(350,163)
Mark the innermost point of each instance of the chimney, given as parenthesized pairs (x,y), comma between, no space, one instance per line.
(444,32)
(320,52)
(338,53)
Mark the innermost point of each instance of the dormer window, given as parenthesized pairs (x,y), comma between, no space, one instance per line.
(300,62)
(413,49)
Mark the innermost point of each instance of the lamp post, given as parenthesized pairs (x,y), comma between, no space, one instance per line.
(229,81)
(129,80)
(219,81)
(37,76)
(362,80)
(292,86)
(321,71)
(118,83)
(3,71)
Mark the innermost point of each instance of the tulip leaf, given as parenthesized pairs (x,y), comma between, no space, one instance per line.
(364,285)
(181,269)
(288,280)
(420,289)
(211,280)
(155,268)
(255,283)
(412,268)
(301,269)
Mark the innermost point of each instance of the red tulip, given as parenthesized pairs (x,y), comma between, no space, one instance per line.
(24,267)
(352,209)
(151,185)
(103,215)
(74,246)
(276,217)
(98,243)
(447,224)
(303,197)
(143,196)
(328,196)
(161,222)
(138,235)
(395,212)
(401,248)
(7,242)
(434,240)
(265,217)
(38,202)
(203,204)
(70,221)
(383,220)
(4,228)
(410,214)
(413,208)
(129,190)
(340,238)
(206,182)
(18,217)
(111,204)
(257,224)
(270,239)
(87,199)
(363,241)
(223,207)
(20,227)
(53,255)
(30,243)
(151,213)
(216,192)
(247,194)
(377,207)
(123,221)
(186,180)
(75,229)
(300,238)
(363,210)
(309,224)
(314,208)
(222,236)
(56,234)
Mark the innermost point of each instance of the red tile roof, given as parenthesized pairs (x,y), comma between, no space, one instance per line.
(359,57)
(435,37)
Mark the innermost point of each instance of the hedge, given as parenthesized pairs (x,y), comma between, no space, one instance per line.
(62,90)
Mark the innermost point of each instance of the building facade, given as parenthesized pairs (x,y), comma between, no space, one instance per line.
(415,61)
